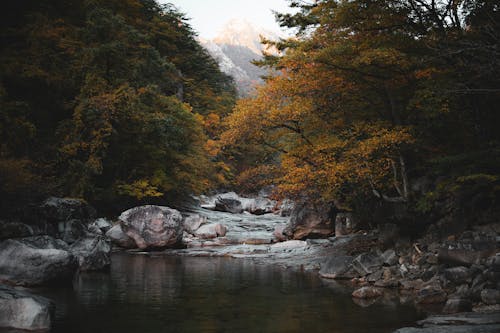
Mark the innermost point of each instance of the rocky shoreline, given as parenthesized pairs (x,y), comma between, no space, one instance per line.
(455,279)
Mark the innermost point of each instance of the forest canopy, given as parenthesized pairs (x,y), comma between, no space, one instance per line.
(106,99)
(374,99)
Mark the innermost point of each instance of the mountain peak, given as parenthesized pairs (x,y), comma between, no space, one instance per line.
(240,32)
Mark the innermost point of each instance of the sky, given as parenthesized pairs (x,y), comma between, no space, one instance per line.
(208,16)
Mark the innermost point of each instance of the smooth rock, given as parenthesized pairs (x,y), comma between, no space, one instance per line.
(451,329)
(103,224)
(468,318)
(35,261)
(93,253)
(21,310)
(153,226)
(278,233)
(192,222)
(367,292)
(120,238)
(389,258)
(291,244)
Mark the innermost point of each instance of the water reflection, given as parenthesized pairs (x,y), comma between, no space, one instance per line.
(182,294)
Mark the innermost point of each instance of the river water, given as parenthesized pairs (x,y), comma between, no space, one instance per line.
(158,293)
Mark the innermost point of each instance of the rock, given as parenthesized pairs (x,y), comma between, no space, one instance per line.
(93,253)
(490,296)
(259,206)
(120,238)
(367,292)
(192,222)
(21,310)
(389,258)
(54,213)
(344,224)
(367,263)
(35,261)
(103,224)
(72,230)
(431,294)
(208,231)
(311,222)
(153,226)
(229,205)
(286,208)
(278,233)
(470,318)
(338,267)
(455,305)
(451,329)
(15,230)
(458,275)
(291,244)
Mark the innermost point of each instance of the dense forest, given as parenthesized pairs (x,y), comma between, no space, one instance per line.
(106,100)
(380,104)
(374,104)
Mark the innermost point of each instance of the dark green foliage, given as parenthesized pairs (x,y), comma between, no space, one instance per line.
(104,100)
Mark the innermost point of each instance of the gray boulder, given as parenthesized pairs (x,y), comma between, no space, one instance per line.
(120,238)
(309,221)
(21,310)
(229,205)
(72,230)
(93,253)
(153,226)
(36,261)
(102,224)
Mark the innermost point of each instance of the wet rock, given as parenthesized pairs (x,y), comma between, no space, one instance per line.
(309,221)
(451,329)
(120,238)
(367,263)
(338,267)
(458,275)
(470,318)
(490,296)
(367,292)
(15,230)
(35,261)
(192,222)
(21,310)
(93,253)
(153,226)
(456,305)
(208,231)
(229,205)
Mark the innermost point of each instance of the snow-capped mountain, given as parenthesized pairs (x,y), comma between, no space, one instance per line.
(236,45)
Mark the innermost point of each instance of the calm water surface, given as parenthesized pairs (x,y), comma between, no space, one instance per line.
(183,294)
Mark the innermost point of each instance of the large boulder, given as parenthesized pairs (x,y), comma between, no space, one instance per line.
(310,221)
(153,227)
(21,310)
(36,261)
(120,238)
(93,253)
